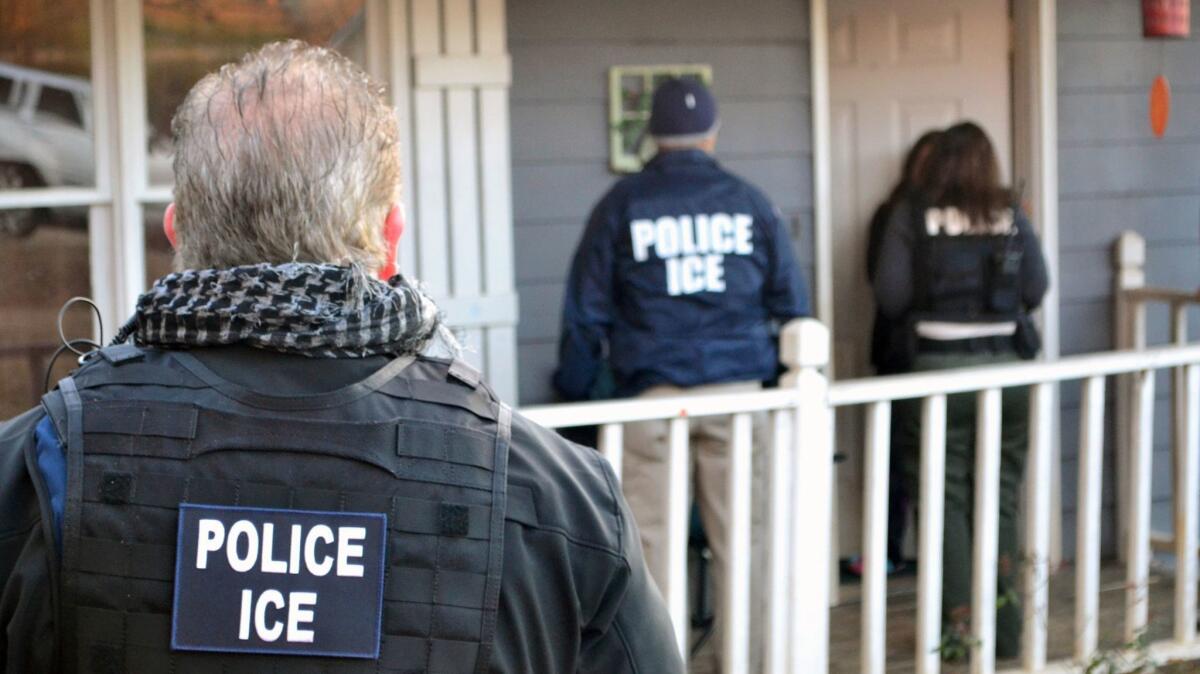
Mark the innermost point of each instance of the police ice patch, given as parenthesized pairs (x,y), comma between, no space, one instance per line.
(290,582)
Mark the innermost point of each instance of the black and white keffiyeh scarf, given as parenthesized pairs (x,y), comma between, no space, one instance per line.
(315,310)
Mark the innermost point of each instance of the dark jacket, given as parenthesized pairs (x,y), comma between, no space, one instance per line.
(899,266)
(681,272)
(887,338)
(575,595)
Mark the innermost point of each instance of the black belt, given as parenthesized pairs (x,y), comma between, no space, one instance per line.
(995,344)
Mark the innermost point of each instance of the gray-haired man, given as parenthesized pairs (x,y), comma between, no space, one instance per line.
(267,473)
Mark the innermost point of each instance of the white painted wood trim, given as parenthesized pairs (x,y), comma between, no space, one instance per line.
(1037,526)
(1046,141)
(1087,529)
(779,544)
(612,446)
(736,646)
(1046,167)
(496,190)
(1137,543)
(930,533)
(875,530)
(863,391)
(131,150)
(986,531)
(812,535)
(490,70)
(462,142)
(400,80)
(38,197)
(678,509)
(100,216)
(458,26)
(161,194)
(495,196)
(822,159)
(1187,506)
(376,44)
(477,311)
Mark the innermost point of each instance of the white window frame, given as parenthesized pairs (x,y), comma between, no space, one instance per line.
(118,198)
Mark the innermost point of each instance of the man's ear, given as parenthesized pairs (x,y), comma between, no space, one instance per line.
(169,225)
(393,229)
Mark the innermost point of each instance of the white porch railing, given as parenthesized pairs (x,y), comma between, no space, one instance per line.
(800,481)
(801,493)
(1133,298)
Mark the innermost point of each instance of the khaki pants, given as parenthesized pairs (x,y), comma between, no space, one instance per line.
(645,479)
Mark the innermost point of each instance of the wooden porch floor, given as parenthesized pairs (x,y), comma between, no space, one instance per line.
(902,608)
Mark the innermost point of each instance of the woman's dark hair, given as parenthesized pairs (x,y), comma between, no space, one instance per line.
(963,172)
(916,163)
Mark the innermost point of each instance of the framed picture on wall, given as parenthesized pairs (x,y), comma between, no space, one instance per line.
(630,91)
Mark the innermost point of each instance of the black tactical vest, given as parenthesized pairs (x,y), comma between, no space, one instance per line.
(421,441)
(967,277)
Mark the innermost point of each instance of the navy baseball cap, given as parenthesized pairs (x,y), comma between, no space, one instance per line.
(683,111)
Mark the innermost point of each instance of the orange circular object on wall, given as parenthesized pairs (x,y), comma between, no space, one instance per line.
(1160,105)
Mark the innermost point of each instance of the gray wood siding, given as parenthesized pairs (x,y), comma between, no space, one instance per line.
(561,53)
(1114,176)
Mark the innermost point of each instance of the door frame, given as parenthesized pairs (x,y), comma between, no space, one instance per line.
(1034,105)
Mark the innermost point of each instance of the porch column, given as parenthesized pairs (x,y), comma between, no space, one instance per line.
(449,72)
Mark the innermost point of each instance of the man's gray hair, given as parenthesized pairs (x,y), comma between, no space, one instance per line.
(291,154)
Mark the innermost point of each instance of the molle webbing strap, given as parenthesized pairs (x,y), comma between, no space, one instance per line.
(405,515)
(67,626)
(180,431)
(466,374)
(341,397)
(142,635)
(387,379)
(120,354)
(441,393)
(491,605)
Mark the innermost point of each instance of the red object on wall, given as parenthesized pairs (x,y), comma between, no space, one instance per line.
(1166,18)
(1160,105)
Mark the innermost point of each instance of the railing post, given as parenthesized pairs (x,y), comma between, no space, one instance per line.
(736,651)
(1087,521)
(985,551)
(1187,509)
(804,350)
(1129,261)
(779,548)
(930,533)
(875,510)
(612,445)
(1137,541)
(1179,430)
(1038,486)
(1129,332)
(678,510)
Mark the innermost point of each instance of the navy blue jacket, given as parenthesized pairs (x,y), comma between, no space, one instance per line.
(681,273)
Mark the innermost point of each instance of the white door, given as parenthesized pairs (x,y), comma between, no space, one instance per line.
(897,69)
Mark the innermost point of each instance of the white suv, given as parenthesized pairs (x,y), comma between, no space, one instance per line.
(46,138)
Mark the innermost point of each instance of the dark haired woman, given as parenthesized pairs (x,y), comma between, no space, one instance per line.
(961,267)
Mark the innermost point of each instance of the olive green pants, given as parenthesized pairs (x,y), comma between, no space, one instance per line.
(958,539)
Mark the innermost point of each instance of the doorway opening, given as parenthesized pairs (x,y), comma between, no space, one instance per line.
(885,72)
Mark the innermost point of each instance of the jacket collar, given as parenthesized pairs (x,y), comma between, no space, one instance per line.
(675,159)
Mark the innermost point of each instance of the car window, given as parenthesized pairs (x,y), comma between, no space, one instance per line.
(6,89)
(60,103)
